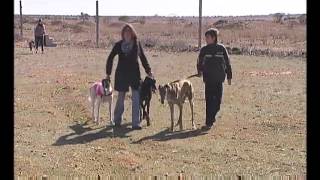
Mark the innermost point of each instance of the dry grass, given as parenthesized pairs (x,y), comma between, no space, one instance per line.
(251,36)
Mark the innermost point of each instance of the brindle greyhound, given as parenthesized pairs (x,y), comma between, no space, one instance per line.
(175,93)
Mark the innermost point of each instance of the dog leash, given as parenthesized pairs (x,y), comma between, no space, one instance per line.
(193,75)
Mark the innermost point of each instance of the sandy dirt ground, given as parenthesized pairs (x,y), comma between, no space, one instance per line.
(260,130)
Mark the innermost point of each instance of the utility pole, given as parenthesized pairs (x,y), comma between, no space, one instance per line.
(21,32)
(97,23)
(200,20)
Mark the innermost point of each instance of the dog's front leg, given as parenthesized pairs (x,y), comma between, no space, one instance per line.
(148,117)
(180,117)
(144,105)
(192,119)
(110,112)
(97,112)
(93,101)
(172,115)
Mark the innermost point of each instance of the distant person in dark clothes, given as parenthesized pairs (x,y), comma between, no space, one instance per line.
(39,33)
(214,65)
(127,73)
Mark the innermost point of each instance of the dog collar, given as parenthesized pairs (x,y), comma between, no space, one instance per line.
(109,94)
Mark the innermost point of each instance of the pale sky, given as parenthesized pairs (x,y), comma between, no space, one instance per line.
(161,7)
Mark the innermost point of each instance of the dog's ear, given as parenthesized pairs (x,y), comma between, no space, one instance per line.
(105,82)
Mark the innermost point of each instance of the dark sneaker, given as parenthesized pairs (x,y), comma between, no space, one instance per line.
(206,127)
(117,125)
(137,128)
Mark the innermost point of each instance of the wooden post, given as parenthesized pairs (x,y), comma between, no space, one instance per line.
(97,23)
(200,20)
(21,32)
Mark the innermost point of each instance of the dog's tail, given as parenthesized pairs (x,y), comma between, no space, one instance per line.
(192,92)
(89,97)
(189,77)
(91,92)
(144,115)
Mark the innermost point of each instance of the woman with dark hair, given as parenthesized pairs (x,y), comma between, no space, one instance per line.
(127,73)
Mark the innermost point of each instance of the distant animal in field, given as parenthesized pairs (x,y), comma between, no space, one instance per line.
(31,45)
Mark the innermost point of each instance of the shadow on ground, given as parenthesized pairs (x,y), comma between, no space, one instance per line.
(82,135)
(166,135)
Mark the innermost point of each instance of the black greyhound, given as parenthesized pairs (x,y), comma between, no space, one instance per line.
(148,86)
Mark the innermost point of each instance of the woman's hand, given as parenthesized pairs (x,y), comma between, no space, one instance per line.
(199,74)
(150,74)
(229,81)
